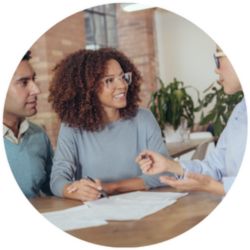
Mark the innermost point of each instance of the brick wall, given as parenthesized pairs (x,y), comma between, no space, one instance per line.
(47,51)
(135,39)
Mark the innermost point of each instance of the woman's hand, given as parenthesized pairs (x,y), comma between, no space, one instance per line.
(84,190)
(195,182)
(152,163)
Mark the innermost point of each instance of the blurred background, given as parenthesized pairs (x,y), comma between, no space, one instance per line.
(160,43)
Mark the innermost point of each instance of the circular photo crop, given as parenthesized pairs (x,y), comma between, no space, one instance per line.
(121,125)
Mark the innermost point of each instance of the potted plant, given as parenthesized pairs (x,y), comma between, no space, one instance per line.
(223,106)
(173,106)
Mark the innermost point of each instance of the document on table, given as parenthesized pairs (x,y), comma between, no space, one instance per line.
(129,206)
(74,218)
(132,206)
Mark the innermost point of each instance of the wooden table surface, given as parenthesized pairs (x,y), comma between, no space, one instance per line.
(163,225)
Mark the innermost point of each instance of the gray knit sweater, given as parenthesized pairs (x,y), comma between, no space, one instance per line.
(108,155)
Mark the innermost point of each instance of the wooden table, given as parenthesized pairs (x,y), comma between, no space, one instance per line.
(163,225)
(176,149)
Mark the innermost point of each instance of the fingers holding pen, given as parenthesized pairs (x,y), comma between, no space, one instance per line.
(96,183)
(84,190)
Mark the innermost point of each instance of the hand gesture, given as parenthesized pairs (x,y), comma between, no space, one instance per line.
(152,163)
(195,182)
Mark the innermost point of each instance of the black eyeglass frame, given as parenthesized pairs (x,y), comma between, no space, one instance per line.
(217,57)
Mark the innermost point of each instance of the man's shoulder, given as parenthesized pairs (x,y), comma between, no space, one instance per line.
(37,133)
(34,128)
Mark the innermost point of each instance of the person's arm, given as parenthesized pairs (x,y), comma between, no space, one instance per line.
(86,190)
(152,163)
(227,182)
(83,190)
(64,170)
(123,186)
(195,182)
(225,160)
(151,131)
(65,161)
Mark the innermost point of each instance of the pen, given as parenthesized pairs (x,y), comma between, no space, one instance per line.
(102,192)
(144,156)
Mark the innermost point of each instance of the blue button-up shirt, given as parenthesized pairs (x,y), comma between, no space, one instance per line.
(224,161)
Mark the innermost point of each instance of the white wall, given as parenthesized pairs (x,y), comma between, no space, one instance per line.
(184,51)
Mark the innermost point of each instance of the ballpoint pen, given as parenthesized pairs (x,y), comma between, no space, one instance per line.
(144,156)
(102,192)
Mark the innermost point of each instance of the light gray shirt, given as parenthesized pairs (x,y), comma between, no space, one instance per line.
(108,155)
(223,163)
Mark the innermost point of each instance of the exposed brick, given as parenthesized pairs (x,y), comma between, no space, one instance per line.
(47,51)
(135,39)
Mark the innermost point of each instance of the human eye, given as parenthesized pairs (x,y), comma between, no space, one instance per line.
(23,82)
(109,80)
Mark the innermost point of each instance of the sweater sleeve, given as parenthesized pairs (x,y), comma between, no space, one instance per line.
(49,158)
(64,163)
(154,142)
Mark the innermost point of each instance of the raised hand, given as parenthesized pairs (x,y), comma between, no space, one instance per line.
(152,163)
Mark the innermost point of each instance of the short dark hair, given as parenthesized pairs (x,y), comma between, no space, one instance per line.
(27,56)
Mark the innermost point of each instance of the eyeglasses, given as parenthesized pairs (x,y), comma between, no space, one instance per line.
(110,81)
(217,57)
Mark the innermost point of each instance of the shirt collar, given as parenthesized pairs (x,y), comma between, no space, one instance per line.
(8,133)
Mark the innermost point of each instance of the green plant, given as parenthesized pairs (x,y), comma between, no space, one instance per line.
(222,108)
(171,103)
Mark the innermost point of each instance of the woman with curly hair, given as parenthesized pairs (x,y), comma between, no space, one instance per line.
(96,94)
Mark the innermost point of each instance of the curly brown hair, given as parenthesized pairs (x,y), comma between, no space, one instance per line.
(73,90)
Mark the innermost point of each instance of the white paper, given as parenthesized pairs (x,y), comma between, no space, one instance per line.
(129,206)
(132,206)
(74,218)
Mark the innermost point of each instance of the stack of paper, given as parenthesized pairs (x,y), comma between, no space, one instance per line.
(129,206)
